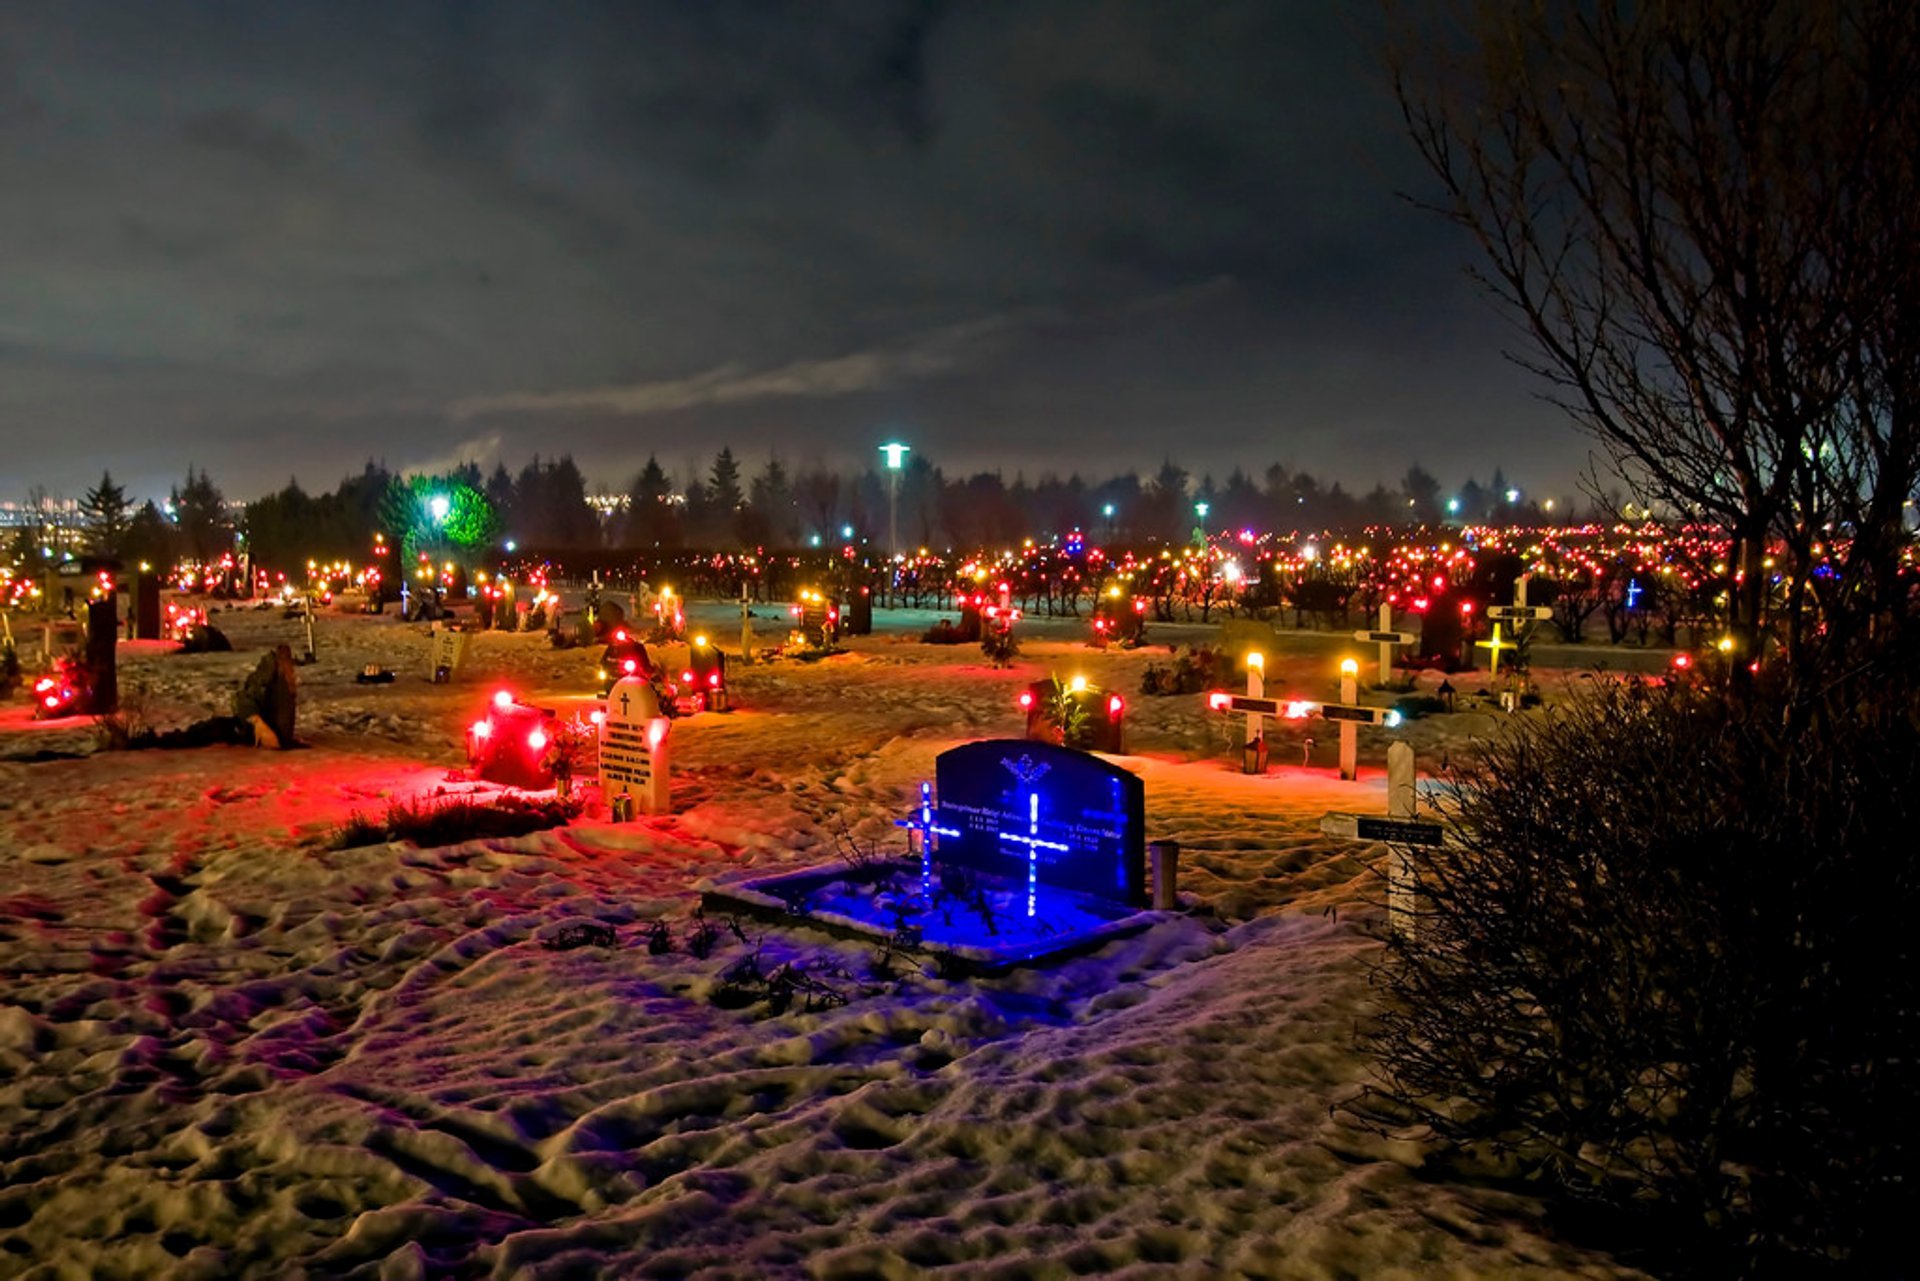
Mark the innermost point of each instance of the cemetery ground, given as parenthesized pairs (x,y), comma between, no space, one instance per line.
(230,1048)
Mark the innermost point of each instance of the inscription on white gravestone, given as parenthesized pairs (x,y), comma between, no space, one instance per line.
(633,747)
(449,652)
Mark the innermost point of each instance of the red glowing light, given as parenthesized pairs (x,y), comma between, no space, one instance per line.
(631,666)
(1115,705)
(503,700)
(52,701)
(537,740)
(713,679)
(597,717)
(1466,607)
(1219,701)
(43,685)
(482,729)
(1026,701)
(621,634)
(1683,661)
(687,677)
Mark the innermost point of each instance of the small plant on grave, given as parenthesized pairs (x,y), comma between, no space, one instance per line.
(578,934)
(659,938)
(702,937)
(1064,710)
(128,726)
(999,644)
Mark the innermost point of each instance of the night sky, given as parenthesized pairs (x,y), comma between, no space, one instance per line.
(283,237)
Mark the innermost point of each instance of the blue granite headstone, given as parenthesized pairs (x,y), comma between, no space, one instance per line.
(1045,814)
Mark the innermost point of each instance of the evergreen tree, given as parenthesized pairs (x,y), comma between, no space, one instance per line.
(107,512)
(200,513)
(651,519)
(723,484)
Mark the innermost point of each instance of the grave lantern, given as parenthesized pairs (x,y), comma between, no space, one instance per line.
(508,745)
(705,679)
(1077,714)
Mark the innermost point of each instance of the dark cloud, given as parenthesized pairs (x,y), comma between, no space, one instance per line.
(273,236)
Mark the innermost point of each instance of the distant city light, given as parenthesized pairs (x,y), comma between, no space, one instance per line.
(512,546)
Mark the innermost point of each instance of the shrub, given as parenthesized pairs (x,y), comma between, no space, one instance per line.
(431,823)
(1669,967)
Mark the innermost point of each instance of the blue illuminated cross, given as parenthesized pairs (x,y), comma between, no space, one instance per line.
(1633,593)
(1034,845)
(928,830)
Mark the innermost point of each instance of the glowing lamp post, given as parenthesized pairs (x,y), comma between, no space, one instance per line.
(896,455)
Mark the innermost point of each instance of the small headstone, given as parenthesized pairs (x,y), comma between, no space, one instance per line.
(633,747)
(1055,817)
(449,652)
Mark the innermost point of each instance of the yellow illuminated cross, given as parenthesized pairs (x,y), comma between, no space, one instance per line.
(1495,647)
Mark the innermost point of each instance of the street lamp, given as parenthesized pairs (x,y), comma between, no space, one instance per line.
(1108,510)
(896,455)
(438,506)
(1201,510)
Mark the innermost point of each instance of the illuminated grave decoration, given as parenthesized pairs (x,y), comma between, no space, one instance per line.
(817,618)
(703,684)
(1257,707)
(509,744)
(1019,851)
(1075,714)
(634,736)
(449,648)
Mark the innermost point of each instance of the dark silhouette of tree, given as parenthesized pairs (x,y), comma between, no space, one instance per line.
(651,519)
(200,513)
(149,538)
(1421,491)
(1703,213)
(107,511)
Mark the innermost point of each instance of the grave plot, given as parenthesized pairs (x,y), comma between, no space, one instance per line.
(1025,851)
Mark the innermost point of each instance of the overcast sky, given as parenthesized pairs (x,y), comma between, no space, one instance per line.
(271,238)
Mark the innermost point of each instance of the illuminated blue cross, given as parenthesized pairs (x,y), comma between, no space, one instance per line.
(928,830)
(1034,845)
(1633,593)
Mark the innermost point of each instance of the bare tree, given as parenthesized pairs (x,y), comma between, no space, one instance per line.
(1703,212)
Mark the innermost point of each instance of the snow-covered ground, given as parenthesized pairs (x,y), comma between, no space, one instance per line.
(230,1050)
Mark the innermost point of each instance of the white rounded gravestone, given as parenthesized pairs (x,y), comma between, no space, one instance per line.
(633,747)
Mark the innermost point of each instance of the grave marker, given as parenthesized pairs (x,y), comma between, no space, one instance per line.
(1052,817)
(1386,638)
(633,747)
(1400,828)
(449,653)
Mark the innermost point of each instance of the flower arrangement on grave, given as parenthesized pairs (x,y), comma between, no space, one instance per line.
(567,745)
(1065,712)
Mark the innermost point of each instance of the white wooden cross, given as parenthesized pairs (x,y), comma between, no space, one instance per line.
(746,625)
(1386,638)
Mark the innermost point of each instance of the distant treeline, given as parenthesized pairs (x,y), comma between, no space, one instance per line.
(545,504)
